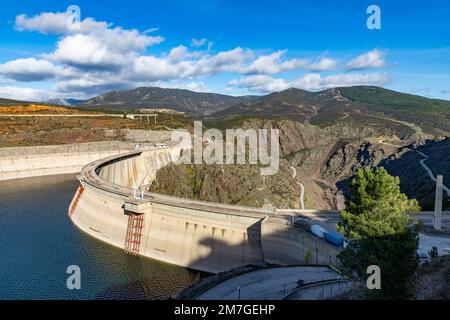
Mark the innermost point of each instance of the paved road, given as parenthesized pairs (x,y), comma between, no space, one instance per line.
(414,127)
(428,241)
(267,284)
(331,216)
(422,163)
(320,291)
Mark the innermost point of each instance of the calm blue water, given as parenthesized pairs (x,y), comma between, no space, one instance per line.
(38,243)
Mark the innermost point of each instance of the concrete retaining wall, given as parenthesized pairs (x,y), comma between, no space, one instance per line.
(304,248)
(23,162)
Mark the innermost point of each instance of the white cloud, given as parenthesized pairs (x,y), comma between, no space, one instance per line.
(197,43)
(194,86)
(181,53)
(95,44)
(46,23)
(371,59)
(30,69)
(98,57)
(147,31)
(260,83)
(316,82)
(310,81)
(273,63)
(182,64)
(91,85)
(87,52)
(324,64)
(101,48)
(24,94)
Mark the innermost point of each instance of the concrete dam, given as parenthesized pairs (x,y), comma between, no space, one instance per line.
(25,162)
(111,204)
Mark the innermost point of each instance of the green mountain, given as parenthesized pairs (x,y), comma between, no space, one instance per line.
(430,114)
(192,103)
(11,102)
(362,106)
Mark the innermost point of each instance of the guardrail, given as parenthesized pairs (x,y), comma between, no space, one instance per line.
(90,175)
(322,294)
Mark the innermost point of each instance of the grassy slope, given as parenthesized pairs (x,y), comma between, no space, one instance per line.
(432,115)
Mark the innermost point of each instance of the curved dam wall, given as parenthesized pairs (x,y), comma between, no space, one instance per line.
(200,235)
(24,162)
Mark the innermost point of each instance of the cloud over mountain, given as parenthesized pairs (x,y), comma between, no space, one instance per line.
(371,59)
(98,56)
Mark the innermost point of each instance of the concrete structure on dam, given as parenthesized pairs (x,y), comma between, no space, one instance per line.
(25,162)
(112,204)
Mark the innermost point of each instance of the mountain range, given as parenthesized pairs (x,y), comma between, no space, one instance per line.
(195,104)
(360,105)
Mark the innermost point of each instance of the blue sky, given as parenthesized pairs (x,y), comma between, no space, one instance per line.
(232,47)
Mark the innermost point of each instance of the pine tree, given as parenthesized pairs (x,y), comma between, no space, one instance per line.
(380,230)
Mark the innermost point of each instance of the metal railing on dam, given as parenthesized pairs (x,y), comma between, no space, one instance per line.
(211,237)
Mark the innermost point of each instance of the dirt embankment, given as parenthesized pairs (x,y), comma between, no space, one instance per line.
(34,131)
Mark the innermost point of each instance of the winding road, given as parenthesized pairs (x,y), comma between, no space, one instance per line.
(422,163)
(302,194)
(267,284)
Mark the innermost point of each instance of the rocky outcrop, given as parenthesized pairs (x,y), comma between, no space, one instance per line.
(230,184)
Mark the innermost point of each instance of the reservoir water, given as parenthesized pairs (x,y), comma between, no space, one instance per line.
(38,242)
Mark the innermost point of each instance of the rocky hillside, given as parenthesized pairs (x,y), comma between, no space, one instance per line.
(321,158)
(415,181)
(231,184)
(325,160)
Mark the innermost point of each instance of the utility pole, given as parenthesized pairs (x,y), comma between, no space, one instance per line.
(438,203)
